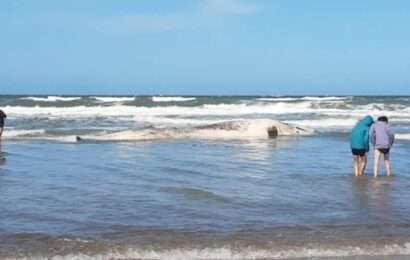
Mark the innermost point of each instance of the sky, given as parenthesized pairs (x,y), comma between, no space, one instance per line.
(203,47)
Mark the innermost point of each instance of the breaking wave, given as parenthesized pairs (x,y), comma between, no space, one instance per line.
(327,123)
(12,133)
(280,108)
(403,136)
(121,110)
(323,98)
(325,114)
(286,99)
(51,99)
(172,99)
(114,99)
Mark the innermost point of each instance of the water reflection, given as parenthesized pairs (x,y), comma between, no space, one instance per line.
(2,155)
(261,150)
(372,198)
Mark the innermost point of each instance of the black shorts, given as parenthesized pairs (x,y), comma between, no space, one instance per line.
(359,152)
(384,150)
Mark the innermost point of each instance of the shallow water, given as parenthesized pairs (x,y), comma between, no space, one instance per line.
(287,198)
(197,191)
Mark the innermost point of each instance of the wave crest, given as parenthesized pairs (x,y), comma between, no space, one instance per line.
(51,99)
(403,136)
(172,99)
(114,99)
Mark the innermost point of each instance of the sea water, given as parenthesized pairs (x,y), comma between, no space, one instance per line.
(246,197)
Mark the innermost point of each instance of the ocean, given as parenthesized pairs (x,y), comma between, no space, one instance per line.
(197,177)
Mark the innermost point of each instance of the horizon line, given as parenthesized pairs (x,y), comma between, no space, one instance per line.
(208,95)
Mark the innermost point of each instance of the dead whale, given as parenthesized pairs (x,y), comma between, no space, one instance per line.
(239,129)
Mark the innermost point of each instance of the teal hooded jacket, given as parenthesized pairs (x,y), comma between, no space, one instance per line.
(360,134)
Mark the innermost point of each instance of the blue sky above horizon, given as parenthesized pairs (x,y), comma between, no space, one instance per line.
(263,47)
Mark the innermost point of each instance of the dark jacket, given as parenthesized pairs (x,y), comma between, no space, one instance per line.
(2,116)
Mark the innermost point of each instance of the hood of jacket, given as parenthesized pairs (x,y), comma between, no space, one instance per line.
(366,121)
(360,134)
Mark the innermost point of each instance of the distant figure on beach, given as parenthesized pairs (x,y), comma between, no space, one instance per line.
(382,139)
(359,143)
(2,117)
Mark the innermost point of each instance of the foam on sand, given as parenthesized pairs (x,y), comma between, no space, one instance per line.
(172,99)
(228,252)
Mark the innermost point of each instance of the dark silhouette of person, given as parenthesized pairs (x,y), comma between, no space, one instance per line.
(2,117)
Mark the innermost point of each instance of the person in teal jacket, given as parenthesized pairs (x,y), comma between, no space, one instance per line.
(359,143)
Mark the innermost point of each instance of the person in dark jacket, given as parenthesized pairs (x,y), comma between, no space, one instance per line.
(382,139)
(2,117)
(359,143)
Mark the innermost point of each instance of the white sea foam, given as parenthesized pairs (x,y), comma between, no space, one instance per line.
(59,139)
(172,99)
(402,136)
(278,99)
(284,99)
(39,134)
(278,108)
(176,116)
(179,115)
(244,109)
(51,98)
(114,99)
(323,98)
(228,253)
(12,133)
(329,123)
(174,122)
(121,110)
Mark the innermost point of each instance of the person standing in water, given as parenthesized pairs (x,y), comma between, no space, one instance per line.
(359,143)
(382,139)
(2,117)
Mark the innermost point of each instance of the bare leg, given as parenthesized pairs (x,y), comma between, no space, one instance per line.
(387,164)
(356,165)
(363,163)
(1,131)
(376,162)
